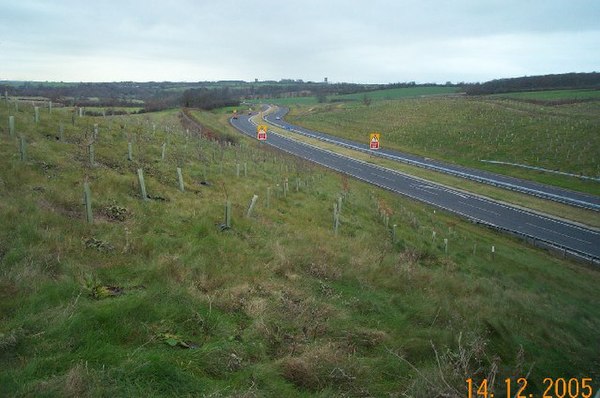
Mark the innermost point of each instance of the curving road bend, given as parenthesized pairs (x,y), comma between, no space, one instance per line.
(515,184)
(540,230)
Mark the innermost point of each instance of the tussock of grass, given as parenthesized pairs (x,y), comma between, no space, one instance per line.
(274,306)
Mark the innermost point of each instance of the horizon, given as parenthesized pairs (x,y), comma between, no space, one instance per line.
(283,80)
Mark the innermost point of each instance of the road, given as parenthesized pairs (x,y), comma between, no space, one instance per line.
(541,230)
(515,184)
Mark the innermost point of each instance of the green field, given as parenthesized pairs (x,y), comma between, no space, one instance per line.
(288,101)
(399,93)
(554,95)
(154,299)
(466,130)
(108,109)
(377,95)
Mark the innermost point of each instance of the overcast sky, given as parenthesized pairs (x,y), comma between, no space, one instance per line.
(372,41)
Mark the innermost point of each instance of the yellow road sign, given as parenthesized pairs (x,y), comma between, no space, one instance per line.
(261,132)
(374,140)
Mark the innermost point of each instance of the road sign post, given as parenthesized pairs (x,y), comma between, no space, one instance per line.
(374,140)
(261,132)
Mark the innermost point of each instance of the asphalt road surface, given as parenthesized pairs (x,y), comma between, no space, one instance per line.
(532,188)
(540,230)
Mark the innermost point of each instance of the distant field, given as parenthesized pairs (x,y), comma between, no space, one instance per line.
(466,130)
(288,101)
(553,95)
(399,93)
(99,109)
(377,95)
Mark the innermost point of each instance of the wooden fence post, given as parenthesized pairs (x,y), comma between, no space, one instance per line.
(36,116)
(129,151)
(180,177)
(336,219)
(142,184)
(92,155)
(11,126)
(23,148)
(251,206)
(228,214)
(164,148)
(87,201)
(268,197)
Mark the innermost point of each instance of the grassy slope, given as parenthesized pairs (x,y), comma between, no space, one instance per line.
(277,306)
(463,131)
(553,95)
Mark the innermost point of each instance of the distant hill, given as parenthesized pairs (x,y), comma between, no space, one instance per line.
(155,96)
(536,83)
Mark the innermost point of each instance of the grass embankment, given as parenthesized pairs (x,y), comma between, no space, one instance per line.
(153,299)
(112,110)
(467,130)
(218,121)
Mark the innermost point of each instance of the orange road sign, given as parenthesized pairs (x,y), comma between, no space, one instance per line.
(374,140)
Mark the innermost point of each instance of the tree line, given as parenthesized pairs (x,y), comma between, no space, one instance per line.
(536,83)
(154,96)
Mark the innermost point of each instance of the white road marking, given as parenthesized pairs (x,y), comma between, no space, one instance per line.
(422,188)
(558,233)
(480,208)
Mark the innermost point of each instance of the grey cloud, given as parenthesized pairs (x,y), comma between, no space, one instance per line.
(361,41)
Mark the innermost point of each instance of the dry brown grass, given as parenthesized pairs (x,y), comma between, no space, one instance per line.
(319,366)
(77,382)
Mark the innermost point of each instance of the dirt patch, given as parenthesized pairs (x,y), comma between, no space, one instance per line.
(69,212)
